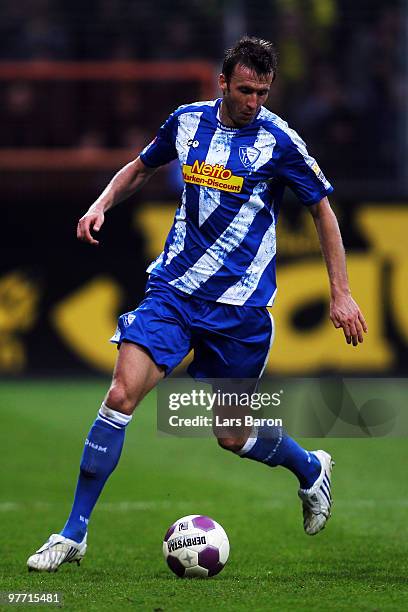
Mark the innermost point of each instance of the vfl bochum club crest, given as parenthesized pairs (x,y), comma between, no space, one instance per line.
(248,155)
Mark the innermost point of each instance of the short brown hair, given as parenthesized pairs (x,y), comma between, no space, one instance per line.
(254,53)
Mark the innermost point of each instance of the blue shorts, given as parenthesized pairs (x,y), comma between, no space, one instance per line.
(228,341)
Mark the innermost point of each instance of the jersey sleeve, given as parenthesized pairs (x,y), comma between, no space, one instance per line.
(162,149)
(301,172)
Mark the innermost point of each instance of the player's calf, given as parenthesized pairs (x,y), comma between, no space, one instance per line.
(272,446)
(102,450)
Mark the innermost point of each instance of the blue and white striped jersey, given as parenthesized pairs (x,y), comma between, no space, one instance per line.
(222,244)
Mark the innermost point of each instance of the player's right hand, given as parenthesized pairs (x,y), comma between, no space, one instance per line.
(91,221)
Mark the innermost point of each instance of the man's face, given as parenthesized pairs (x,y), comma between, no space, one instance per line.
(243,95)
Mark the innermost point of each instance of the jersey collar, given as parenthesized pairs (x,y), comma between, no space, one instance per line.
(226,127)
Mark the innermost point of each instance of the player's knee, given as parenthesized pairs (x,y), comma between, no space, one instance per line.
(118,398)
(232,444)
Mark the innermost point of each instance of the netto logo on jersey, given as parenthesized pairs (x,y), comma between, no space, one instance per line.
(217,177)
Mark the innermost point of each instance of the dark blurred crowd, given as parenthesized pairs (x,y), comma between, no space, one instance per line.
(342,79)
(107,29)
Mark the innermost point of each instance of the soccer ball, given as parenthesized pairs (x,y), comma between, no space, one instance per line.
(196,545)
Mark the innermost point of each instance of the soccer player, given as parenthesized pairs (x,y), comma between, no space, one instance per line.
(209,288)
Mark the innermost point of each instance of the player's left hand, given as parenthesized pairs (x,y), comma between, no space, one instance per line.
(345,313)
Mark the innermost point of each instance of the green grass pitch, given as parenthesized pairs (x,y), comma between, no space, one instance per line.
(360,562)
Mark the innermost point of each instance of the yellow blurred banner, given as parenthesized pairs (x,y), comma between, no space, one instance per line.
(306,342)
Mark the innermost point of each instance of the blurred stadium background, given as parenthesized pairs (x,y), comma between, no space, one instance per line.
(84,86)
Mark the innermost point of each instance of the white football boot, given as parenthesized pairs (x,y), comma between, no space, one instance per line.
(317,500)
(56,551)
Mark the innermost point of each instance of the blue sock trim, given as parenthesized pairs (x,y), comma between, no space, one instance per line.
(113,417)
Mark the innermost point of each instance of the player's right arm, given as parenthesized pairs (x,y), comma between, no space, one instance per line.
(130,178)
(124,184)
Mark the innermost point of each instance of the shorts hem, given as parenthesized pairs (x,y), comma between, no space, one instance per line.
(158,363)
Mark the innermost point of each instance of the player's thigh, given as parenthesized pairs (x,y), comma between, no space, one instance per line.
(135,374)
(235,343)
(161,325)
(154,338)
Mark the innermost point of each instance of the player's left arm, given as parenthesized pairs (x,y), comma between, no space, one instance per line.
(344,312)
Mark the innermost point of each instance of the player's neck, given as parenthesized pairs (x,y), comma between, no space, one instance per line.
(225,117)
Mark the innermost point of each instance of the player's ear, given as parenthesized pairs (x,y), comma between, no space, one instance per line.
(222,82)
